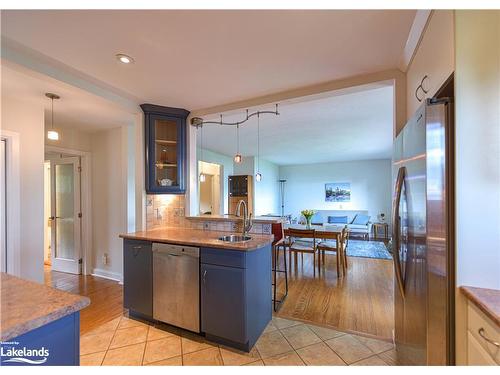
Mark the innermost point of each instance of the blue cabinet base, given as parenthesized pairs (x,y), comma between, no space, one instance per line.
(232,344)
(236,299)
(54,344)
(235,291)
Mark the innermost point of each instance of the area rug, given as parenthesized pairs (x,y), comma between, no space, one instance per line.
(367,249)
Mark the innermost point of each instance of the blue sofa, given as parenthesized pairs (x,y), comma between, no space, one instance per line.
(358,221)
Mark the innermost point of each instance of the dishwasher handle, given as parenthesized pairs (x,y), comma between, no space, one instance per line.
(176,250)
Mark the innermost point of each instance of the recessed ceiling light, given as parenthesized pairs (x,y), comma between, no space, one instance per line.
(124,59)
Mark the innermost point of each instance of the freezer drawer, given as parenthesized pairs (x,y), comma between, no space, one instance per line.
(176,294)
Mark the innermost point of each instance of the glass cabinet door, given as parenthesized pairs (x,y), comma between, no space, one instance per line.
(166,162)
(165,131)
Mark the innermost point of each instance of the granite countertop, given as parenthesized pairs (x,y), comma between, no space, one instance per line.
(194,237)
(487,300)
(26,305)
(233,218)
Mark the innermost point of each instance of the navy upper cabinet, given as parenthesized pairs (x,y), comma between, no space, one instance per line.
(166,157)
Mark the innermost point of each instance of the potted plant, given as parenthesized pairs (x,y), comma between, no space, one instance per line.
(308,215)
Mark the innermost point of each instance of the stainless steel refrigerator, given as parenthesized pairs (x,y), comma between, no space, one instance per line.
(423,232)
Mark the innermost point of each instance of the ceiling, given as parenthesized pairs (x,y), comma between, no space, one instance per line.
(202,58)
(357,125)
(76,109)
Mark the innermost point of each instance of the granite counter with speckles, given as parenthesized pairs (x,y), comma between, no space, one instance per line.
(26,305)
(201,238)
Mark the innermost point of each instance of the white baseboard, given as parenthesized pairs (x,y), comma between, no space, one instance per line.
(115,276)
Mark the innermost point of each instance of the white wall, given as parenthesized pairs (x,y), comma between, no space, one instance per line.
(477,98)
(246,167)
(478,148)
(109,200)
(370,186)
(227,169)
(267,190)
(26,117)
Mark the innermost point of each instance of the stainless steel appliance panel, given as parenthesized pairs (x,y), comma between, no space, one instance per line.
(410,271)
(176,294)
(440,264)
(422,235)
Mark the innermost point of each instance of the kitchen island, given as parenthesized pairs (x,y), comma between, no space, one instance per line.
(191,279)
(39,325)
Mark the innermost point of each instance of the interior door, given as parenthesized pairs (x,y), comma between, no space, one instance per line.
(65,215)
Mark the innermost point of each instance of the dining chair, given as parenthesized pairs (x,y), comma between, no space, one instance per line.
(332,246)
(298,243)
(338,247)
(278,243)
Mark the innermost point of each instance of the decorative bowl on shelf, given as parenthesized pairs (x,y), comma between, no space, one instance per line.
(165,182)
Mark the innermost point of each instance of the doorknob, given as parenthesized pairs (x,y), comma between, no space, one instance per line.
(52,217)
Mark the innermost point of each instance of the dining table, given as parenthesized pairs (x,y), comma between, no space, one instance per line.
(326,232)
(322,232)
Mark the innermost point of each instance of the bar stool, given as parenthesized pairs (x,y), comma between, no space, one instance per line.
(279,242)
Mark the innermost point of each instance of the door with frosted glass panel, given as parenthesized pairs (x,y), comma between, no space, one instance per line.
(65,215)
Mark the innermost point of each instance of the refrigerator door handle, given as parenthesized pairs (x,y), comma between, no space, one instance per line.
(396,220)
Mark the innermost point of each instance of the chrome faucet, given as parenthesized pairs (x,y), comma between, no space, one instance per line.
(247,219)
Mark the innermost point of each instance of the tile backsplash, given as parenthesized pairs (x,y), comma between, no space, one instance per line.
(168,210)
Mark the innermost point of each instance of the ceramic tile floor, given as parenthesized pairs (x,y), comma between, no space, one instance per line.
(124,341)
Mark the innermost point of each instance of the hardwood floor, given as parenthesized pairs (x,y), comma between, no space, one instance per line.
(106,296)
(360,302)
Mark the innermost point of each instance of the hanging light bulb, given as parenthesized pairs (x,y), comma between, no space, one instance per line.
(237,157)
(258,175)
(52,134)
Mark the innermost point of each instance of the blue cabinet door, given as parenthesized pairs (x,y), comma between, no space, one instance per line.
(54,344)
(223,310)
(138,277)
(165,132)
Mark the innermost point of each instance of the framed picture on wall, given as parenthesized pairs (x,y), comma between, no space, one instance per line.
(338,192)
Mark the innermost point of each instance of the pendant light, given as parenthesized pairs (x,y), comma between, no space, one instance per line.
(52,134)
(237,157)
(202,175)
(258,175)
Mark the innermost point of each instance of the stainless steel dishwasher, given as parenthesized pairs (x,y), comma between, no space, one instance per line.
(176,287)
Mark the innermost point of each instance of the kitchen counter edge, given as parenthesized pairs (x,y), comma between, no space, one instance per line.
(487,300)
(200,238)
(20,296)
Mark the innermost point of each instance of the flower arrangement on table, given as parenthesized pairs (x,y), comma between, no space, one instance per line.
(308,215)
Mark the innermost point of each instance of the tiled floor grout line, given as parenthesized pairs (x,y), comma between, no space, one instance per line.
(364,359)
(260,356)
(145,346)
(289,343)
(323,341)
(182,353)
(112,337)
(385,351)
(221,357)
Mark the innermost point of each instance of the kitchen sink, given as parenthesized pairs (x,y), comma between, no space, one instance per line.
(235,238)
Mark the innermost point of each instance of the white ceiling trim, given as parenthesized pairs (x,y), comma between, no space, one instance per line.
(414,37)
(24,59)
